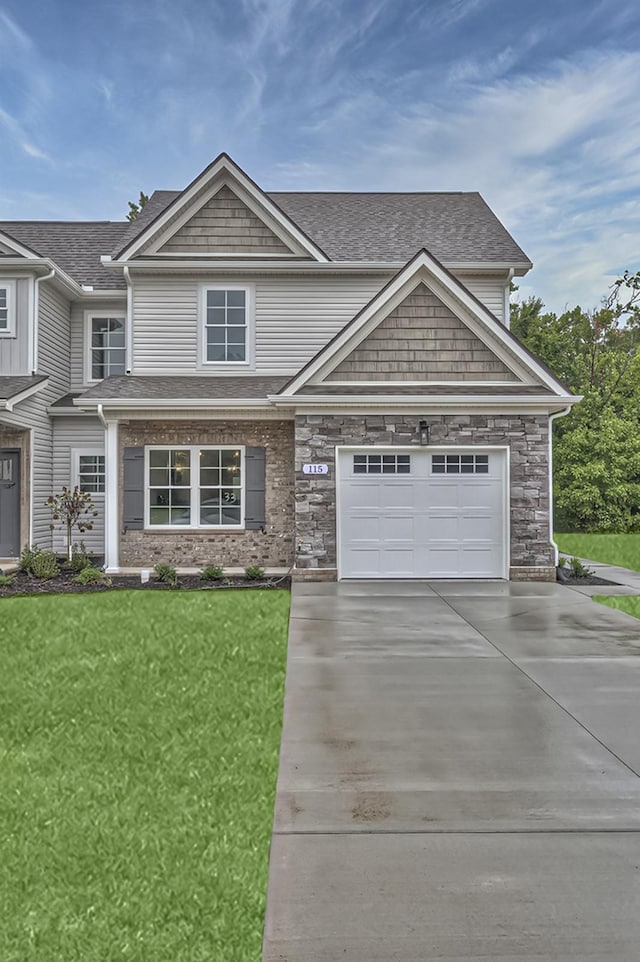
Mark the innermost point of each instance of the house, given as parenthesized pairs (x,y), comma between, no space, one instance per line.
(238,377)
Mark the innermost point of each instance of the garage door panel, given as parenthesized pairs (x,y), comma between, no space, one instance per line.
(423,525)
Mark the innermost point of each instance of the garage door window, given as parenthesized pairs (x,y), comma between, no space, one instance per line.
(381,463)
(460,463)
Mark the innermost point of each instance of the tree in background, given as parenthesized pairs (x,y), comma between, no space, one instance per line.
(597,447)
(134,209)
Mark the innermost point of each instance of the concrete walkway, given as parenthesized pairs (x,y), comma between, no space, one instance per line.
(458,777)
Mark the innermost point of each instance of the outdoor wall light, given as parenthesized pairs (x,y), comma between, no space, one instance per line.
(423,429)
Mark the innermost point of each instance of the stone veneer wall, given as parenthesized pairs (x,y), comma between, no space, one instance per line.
(527,435)
(273,548)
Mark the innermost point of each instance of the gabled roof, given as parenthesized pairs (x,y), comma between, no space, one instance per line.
(75,247)
(16,248)
(425,268)
(223,170)
(16,389)
(458,228)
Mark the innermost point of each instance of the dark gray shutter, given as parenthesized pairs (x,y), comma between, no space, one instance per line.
(254,485)
(133,497)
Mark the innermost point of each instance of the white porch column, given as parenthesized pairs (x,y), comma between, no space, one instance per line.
(111,499)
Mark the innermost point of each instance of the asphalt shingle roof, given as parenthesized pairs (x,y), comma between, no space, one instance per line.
(192,388)
(454,227)
(10,386)
(76,247)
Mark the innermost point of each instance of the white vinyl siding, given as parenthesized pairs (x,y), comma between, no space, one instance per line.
(106,308)
(54,346)
(14,340)
(73,436)
(489,290)
(294,318)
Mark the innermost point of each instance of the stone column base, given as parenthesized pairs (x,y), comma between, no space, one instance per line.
(314,574)
(531,573)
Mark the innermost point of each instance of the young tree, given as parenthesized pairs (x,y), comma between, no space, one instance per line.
(72,508)
(134,209)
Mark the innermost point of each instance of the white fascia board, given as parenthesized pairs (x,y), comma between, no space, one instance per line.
(163,403)
(157,263)
(20,249)
(472,267)
(221,166)
(8,404)
(461,400)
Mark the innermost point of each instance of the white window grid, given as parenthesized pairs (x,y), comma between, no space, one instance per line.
(381,463)
(7,308)
(203,487)
(89,470)
(225,325)
(460,463)
(106,347)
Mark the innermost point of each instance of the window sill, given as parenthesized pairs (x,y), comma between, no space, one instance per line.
(178,530)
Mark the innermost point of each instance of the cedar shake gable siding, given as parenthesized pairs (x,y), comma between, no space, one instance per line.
(422,339)
(225,225)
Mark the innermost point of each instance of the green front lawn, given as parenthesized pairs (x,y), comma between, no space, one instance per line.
(139,738)
(612,549)
(628,603)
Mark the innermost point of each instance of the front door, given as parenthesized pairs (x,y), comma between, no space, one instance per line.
(9,503)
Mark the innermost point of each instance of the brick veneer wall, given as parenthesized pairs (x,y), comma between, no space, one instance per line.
(232,549)
(531,555)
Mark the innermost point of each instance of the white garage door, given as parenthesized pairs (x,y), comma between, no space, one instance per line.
(422,514)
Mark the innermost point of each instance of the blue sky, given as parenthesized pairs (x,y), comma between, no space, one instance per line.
(533,104)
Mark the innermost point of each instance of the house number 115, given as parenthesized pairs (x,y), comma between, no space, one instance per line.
(315,469)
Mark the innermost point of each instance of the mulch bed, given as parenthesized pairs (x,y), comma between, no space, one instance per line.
(24,584)
(569,580)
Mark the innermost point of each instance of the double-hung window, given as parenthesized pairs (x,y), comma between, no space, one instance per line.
(7,308)
(195,487)
(88,470)
(106,346)
(226,325)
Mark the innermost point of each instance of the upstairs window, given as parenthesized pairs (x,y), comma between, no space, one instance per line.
(226,325)
(107,348)
(7,308)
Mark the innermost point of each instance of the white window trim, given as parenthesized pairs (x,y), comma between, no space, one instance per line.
(194,488)
(88,317)
(249,363)
(76,454)
(10,287)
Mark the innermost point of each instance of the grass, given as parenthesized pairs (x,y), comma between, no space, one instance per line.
(628,603)
(139,738)
(613,549)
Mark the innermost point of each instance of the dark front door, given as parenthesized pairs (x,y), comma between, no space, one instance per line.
(9,503)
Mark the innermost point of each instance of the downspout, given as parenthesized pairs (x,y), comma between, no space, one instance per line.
(36,319)
(102,417)
(129,362)
(552,417)
(507,299)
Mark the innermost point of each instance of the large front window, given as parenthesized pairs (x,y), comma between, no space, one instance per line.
(225,325)
(107,351)
(195,487)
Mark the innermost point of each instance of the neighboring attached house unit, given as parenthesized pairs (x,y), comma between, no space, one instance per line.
(323,380)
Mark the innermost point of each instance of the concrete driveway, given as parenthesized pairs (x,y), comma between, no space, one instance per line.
(458,777)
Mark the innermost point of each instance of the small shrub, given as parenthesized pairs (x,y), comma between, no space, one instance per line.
(26,558)
(562,562)
(91,576)
(228,582)
(167,574)
(211,573)
(254,573)
(5,580)
(79,558)
(44,565)
(578,570)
